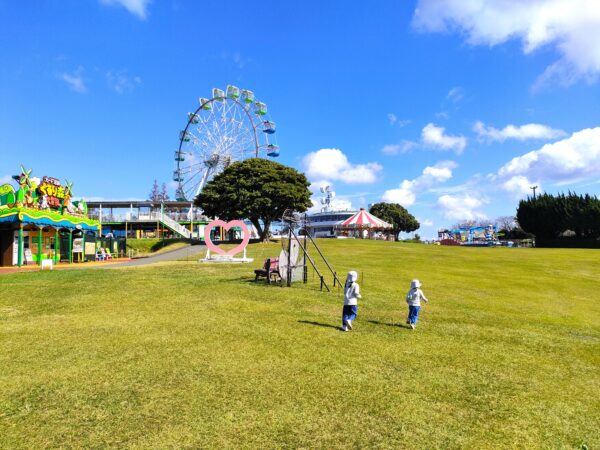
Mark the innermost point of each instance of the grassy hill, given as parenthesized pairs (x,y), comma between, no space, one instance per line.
(506,354)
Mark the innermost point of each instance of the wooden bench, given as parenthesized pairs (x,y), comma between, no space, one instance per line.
(270,270)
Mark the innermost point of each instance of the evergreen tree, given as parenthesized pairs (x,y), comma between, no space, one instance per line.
(548,216)
(396,215)
(256,189)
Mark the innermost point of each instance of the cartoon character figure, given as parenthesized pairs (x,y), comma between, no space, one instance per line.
(68,204)
(44,202)
(81,207)
(29,202)
(24,197)
(7,196)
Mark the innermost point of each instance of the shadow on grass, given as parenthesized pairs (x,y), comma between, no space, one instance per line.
(279,284)
(318,324)
(396,325)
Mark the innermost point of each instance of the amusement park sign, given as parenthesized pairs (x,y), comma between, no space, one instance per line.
(54,192)
(46,194)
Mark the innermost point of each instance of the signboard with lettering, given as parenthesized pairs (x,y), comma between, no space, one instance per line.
(47,194)
(51,192)
(28,256)
(77,245)
(90,248)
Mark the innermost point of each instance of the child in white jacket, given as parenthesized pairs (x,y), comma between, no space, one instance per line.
(413,298)
(351,296)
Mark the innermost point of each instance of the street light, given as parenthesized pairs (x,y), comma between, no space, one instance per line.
(534,188)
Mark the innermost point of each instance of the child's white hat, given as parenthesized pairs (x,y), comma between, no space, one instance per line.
(415,284)
(352,276)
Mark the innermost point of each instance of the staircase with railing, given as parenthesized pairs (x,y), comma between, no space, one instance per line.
(174,226)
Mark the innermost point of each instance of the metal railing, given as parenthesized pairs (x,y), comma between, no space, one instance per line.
(150,216)
(175,226)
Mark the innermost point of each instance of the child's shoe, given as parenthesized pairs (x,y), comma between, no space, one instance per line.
(349,324)
(412,325)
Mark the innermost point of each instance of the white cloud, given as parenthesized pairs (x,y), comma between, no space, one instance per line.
(571,27)
(520,186)
(333,164)
(406,193)
(572,159)
(521,133)
(240,61)
(74,80)
(121,82)
(342,203)
(435,137)
(431,136)
(462,207)
(6,179)
(426,223)
(393,120)
(402,147)
(138,8)
(315,186)
(456,94)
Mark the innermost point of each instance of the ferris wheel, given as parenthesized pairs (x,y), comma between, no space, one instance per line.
(230,126)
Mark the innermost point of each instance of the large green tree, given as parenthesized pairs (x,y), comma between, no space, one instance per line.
(396,215)
(548,216)
(256,189)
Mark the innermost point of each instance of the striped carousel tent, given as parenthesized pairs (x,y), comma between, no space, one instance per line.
(364,221)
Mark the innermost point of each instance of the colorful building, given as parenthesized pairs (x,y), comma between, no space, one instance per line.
(40,220)
(162,219)
(138,219)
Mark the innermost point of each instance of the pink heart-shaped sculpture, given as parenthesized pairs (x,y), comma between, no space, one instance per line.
(226,225)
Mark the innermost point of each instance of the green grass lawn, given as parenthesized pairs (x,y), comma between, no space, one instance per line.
(188,355)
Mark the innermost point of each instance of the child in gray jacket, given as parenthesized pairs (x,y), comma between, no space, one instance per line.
(413,298)
(351,296)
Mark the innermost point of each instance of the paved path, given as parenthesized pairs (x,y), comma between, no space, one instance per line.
(190,251)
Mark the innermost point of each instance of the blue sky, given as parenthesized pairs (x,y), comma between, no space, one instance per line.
(452,109)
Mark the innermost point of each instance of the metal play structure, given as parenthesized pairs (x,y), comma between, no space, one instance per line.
(295,256)
(230,126)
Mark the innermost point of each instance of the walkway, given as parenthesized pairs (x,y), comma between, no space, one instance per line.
(189,252)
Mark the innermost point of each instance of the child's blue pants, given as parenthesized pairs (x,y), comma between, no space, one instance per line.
(413,314)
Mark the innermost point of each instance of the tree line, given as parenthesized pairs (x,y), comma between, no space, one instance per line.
(549,216)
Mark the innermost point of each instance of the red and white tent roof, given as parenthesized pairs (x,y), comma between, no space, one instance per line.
(363,219)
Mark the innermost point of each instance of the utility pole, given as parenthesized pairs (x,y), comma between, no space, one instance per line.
(534,188)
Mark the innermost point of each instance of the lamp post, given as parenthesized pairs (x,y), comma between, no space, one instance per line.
(534,188)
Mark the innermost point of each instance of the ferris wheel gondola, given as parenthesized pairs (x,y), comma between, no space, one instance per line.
(230,126)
